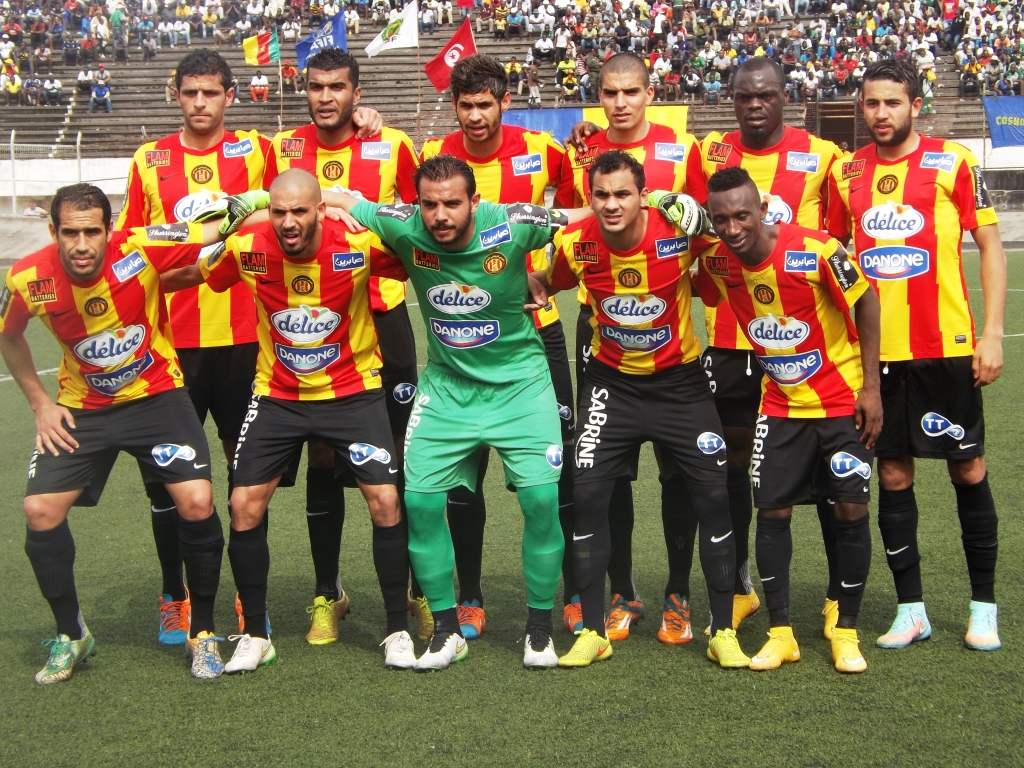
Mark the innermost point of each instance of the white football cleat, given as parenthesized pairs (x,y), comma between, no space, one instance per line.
(398,651)
(250,653)
(542,658)
(442,652)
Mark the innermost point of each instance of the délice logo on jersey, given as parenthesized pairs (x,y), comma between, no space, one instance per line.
(634,310)
(305,325)
(892,221)
(111,347)
(773,332)
(457,299)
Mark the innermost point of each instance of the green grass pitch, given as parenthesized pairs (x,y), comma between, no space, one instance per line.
(936,703)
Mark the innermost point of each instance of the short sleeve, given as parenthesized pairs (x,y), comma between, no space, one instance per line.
(531,225)
(565,190)
(842,275)
(383,262)
(837,215)
(220,267)
(168,246)
(560,271)
(14,314)
(970,195)
(388,222)
(704,284)
(405,176)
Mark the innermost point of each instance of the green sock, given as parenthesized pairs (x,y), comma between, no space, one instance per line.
(430,548)
(543,544)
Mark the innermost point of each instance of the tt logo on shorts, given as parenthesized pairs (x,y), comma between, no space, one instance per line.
(845,464)
(710,443)
(554,456)
(564,412)
(590,436)
(165,453)
(360,453)
(936,425)
(404,393)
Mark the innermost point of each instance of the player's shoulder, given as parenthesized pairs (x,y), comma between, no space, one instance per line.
(663,132)
(244,143)
(157,153)
(538,140)
(300,132)
(944,155)
(401,212)
(796,237)
(392,136)
(45,261)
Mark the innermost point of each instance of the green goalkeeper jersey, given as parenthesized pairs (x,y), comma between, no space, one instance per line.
(472,300)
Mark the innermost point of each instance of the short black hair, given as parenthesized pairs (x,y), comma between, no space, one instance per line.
(330,59)
(616,160)
(624,62)
(203,61)
(760,64)
(895,71)
(477,74)
(444,167)
(80,197)
(730,178)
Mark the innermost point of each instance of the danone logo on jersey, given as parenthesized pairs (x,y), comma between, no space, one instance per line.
(671,247)
(892,221)
(633,340)
(894,262)
(130,265)
(790,370)
(779,211)
(526,164)
(196,203)
(774,332)
(495,236)
(306,361)
(109,348)
(634,310)
(110,383)
(458,299)
(673,153)
(239,148)
(376,150)
(304,324)
(465,334)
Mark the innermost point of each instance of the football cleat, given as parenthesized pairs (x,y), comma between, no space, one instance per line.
(324,617)
(65,655)
(399,652)
(780,649)
(241,618)
(910,625)
(589,647)
(445,649)
(622,615)
(831,614)
(250,653)
(175,620)
(983,627)
(539,650)
(675,621)
(743,607)
(724,649)
(419,608)
(846,651)
(572,616)
(202,650)
(472,620)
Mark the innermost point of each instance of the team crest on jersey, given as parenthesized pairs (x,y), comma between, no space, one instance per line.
(5,301)
(495,236)
(333,170)
(853,169)
(717,265)
(303,285)
(801,261)
(238,149)
(253,261)
(40,291)
(346,262)
(401,212)
(843,269)
(130,265)
(764,293)
(376,150)
(939,161)
(790,370)
(892,221)
(109,383)
(719,152)
(495,263)
(306,361)
(202,174)
(176,233)
(583,159)
(887,184)
(425,260)
(96,306)
(158,158)
(111,347)
(671,247)
(630,278)
(292,148)
(585,251)
(894,262)
(673,153)
(524,213)
(802,162)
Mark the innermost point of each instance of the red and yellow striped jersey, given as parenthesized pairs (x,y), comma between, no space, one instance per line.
(113,330)
(376,168)
(907,220)
(794,309)
(165,182)
(641,299)
(792,176)
(526,164)
(316,332)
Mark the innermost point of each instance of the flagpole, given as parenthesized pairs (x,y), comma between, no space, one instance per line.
(280,94)
(419,86)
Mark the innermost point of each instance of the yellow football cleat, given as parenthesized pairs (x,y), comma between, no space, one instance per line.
(724,649)
(846,651)
(743,607)
(831,614)
(589,647)
(780,649)
(420,610)
(324,617)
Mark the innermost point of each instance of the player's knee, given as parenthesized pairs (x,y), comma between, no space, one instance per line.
(896,474)
(248,504)
(382,501)
(321,455)
(783,513)
(848,512)
(193,498)
(43,513)
(968,472)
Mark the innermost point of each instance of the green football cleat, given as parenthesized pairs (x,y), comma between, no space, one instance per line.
(65,653)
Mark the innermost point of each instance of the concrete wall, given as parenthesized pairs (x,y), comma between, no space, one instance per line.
(41,178)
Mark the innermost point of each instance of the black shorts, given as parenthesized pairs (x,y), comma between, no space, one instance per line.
(735,378)
(584,345)
(672,408)
(558,363)
(398,372)
(931,410)
(273,434)
(797,460)
(219,381)
(161,431)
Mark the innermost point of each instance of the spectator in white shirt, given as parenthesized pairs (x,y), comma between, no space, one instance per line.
(181,32)
(446,14)
(291,30)
(242,29)
(164,31)
(259,87)
(352,20)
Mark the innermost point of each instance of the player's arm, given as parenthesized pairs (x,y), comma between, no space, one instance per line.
(134,211)
(559,276)
(681,209)
(868,411)
(704,285)
(580,133)
(367,122)
(988,354)
(838,221)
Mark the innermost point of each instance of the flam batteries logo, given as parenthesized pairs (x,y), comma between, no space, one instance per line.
(844,464)
(671,247)
(112,382)
(527,164)
(361,453)
(458,299)
(790,370)
(306,361)
(773,332)
(894,262)
(892,221)
(710,443)
(646,340)
(936,425)
(464,334)
(108,348)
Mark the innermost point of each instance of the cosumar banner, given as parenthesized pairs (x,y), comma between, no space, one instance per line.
(1005,120)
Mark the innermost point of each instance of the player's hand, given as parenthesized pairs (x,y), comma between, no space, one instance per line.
(538,295)
(580,132)
(682,210)
(50,432)
(340,214)
(867,416)
(988,361)
(367,121)
(240,206)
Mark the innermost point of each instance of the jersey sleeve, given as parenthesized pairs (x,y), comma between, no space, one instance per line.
(388,222)
(531,229)
(696,183)
(704,284)
(405,176)
(565,190)
(841,275)
(970,195)
(383,262)
(168,246)
(430,149)
(14,313)
(837,215)
(560,271)
(270,164)
(220,268)
(134,210)
(555,156)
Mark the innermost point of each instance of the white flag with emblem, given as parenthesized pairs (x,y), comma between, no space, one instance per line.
(403,32)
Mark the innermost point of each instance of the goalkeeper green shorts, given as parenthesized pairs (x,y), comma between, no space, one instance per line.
(454,417)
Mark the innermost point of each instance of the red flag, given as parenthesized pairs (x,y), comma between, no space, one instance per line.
(439,68)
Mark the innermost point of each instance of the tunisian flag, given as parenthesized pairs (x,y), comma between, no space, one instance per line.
(439,68)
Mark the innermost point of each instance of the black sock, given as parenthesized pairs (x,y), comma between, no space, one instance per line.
(325,516)
(52,554)
(853,559)
(391,561)
(414,585)
(679,522)
(897,522)
(620,531)
(717,549)
(979,527)
(446,623)
(250,563)
(741,512)
(829,534)
(540,627)
(202,548)
(467,515)
(591,549)
(164,516)
(773,545)
(566,518)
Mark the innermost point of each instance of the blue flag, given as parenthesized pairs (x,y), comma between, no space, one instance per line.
(330,34)
(1005,120)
